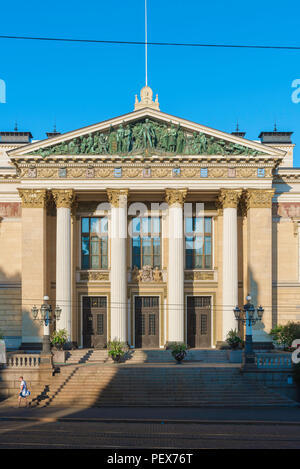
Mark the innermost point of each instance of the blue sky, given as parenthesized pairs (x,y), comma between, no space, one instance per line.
(81,84)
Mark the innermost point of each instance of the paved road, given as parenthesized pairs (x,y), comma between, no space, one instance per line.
(142,428)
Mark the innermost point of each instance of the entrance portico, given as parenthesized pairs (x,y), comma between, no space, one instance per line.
(118,219)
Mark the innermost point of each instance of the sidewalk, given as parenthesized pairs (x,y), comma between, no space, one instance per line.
(280,416)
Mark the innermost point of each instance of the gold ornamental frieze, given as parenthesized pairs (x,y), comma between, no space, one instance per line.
(197,275)
(104,173)
(132,172)
(94,276)
(217,173)
(47,173)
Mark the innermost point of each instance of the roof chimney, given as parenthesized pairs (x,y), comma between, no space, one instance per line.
(275,137)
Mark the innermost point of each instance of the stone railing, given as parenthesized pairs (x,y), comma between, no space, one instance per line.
(23,361)
(273,361)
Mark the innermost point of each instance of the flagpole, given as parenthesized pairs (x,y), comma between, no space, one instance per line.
(146,45)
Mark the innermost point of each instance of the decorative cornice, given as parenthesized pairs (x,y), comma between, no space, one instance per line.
(117,197)
(258,198)
(229,198)
(175,196)
(64,198)
(33,198)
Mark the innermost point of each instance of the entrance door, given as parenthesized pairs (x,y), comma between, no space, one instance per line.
(94,321)
(147,322)
(199,321)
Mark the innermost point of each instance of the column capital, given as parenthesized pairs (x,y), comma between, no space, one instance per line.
(63,197)
(258,198)
(34,198)
(229,198)
(175,197)
(116,197)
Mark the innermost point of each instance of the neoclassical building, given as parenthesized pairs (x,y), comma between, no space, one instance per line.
(147,228)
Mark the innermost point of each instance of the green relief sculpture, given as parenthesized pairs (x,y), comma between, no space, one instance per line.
(133,139)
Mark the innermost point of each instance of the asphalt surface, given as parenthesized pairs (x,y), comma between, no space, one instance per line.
(150,428)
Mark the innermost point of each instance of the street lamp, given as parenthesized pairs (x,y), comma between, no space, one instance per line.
(45,317)
(247,316)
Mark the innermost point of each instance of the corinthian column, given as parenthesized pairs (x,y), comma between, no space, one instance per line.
(64,199)
(228,199)
(118,271)
(175,199)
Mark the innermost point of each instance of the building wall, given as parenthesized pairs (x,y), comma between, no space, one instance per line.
(10,273)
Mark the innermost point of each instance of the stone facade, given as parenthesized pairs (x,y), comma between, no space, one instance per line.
(254,233)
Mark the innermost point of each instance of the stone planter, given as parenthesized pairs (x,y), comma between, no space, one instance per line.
(59,356)
(179,357)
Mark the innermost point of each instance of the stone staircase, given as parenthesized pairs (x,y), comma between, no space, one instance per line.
(98,385)
(137,356)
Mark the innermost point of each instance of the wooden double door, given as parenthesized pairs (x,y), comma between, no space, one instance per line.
(199,321)
(146,321)
(94,321)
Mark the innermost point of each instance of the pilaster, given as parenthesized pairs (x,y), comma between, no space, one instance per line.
(34,272)
(258,204)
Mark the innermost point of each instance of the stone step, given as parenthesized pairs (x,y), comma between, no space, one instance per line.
(150,385)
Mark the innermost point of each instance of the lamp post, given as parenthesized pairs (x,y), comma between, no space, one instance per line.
(247,316)
(44,316)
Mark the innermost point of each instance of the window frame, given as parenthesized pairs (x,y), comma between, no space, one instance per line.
(144,236)
(101,246)
(192,239)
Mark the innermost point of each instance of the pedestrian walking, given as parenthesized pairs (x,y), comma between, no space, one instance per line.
(24,392)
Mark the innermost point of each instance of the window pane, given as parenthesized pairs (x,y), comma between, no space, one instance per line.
(188,226)
(85,225)
(208,262)
(207,245)
(199,245)
(136,252)
(94,245)
(136,225)
(85,262)
(156,261)
(85,245)
(147,251)
(156,246)
(95,225)
(104,225)
(189,253)
(104,246)
(95,262)
(146,225)
(207,225)
(156,225)
(199,225)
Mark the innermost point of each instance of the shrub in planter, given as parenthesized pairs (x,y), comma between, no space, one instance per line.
(283,335)
(233,339)
(116,350)
(178,350)
(59,339)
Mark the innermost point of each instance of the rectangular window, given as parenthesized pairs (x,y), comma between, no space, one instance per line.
(94,243)
(146,242)
(198,243)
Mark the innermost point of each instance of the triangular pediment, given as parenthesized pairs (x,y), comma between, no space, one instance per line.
(145,131)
